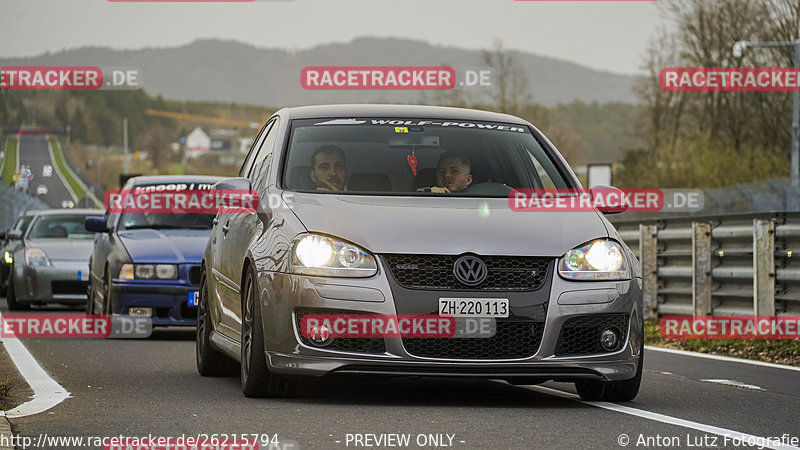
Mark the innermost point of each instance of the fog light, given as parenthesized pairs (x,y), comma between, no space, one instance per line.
(320,336)
(140,312)
(609,339)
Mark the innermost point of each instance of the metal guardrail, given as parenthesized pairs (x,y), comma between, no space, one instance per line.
(14,202)
(722,265)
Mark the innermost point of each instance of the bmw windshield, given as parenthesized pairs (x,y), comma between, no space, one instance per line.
(417,157)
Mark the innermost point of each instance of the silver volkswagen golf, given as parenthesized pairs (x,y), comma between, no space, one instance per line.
(385,243)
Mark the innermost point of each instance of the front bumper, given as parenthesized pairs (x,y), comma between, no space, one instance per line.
(562,300)
(169,300)
(61,282)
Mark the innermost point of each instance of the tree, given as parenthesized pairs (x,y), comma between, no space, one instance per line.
(510,85)
(734,123)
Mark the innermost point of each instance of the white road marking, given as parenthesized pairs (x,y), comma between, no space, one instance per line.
(47,393)
(722,358)
(58,171)
(763,442)
(734,383)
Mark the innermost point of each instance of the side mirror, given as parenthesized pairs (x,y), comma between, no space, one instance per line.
(608,199)
(96,224)
(2,235)
(232,184)
(14,235)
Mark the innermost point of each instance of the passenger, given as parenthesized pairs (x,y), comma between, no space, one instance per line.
(328,168)
(452,174)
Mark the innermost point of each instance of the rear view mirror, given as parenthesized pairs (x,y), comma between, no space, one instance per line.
(96,224)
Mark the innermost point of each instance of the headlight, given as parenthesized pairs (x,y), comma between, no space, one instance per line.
(598,260)
(148,272)
(319,255)
(8,258)
(35,257)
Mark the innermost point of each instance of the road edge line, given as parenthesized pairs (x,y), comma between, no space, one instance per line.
(58,171)
(656,417)
(723,358)
(87,192)
(47,393)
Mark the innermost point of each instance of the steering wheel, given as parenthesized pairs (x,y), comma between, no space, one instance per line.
(488,188)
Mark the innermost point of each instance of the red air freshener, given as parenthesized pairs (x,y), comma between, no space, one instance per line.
(412,162)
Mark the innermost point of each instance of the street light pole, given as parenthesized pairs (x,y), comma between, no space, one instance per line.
(795,118)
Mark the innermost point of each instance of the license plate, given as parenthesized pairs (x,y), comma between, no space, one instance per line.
(193,297)
(473,307)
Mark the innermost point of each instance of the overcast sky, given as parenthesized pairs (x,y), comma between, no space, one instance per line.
(607,35)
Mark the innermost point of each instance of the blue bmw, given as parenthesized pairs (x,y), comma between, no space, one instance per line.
(147,264)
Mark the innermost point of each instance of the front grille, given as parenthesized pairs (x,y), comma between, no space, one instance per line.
(505,273)
(514,339)
(354,345)
(68,287)
(195,272)
(581,335)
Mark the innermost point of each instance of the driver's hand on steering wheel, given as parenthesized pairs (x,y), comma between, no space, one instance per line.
(440,190)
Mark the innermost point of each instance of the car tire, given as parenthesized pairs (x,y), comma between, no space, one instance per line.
(613,391)
(11,298)
(210,363)
(107,293)
(257,381)
(90,299)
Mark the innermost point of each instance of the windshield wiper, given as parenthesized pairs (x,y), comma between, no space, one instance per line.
(153,226)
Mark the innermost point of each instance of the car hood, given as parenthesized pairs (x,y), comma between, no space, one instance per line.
(431,225)
(63,249)
(165,246)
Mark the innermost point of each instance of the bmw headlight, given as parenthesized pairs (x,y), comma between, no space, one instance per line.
(148,272)
(35,257)
(600,259)
(313,254)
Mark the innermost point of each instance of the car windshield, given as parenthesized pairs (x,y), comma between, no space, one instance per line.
(416,157)
(139,220)
(60,226)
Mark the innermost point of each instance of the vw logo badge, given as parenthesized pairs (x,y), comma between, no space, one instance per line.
(470,270)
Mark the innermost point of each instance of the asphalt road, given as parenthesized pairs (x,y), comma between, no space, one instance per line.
(33,152)
(151,387)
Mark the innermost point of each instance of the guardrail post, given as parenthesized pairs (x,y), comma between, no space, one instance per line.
(701,268)
(648,252)
(763,267)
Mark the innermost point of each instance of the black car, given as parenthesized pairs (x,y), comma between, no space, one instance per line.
(11,240)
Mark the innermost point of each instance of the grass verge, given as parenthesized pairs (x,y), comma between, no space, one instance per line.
(780,351)
(6,383)
(61,163)
(9,160)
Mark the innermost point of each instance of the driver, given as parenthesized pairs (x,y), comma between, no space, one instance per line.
(328,170)
(452,174)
